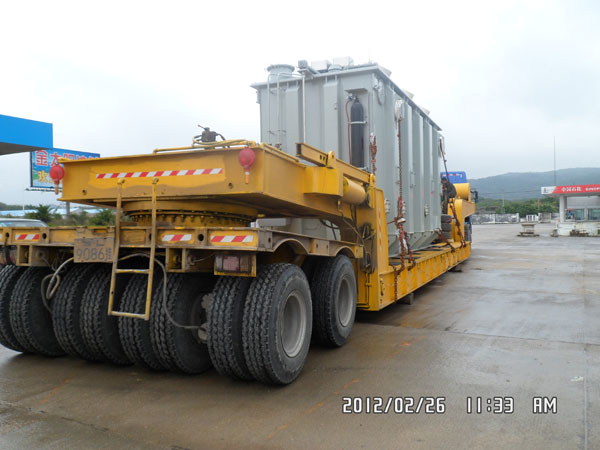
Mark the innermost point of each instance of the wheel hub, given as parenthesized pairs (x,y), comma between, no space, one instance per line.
(292,327)
(344,303)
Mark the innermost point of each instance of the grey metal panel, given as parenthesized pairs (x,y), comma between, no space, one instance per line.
(408,169)
(426,177)
(325,99)
(435,170)
(331,115)
(417,150)
(370,69)
(293,123)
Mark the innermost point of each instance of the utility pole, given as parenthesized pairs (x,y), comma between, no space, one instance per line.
(554,160)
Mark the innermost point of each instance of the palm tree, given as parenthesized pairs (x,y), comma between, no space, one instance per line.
(42,212)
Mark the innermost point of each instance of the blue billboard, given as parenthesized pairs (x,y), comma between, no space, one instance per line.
(43,160)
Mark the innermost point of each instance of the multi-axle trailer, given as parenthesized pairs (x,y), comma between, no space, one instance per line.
(206,265)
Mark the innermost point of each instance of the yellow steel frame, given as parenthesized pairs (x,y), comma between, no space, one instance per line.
(115,263)
(278,185)
(386,283)
(392,283)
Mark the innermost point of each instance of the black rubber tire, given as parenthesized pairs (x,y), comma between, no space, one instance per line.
(225,322)
(330,277)
(266,302)
(9,275)
(468,232)
(180,349)
(447,234)
(446,218)
(446,226)
(66,309)
(135,333)
(99,330)
(29,318)
(310,265)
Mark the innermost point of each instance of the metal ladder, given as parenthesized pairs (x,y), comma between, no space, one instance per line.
(115,263)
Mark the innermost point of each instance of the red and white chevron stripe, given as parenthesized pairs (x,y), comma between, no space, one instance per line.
(232,238)
(27,237)
(160,173)
(176,237)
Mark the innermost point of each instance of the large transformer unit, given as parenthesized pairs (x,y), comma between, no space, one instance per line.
(354,111)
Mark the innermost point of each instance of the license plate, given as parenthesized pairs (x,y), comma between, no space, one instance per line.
(94,250)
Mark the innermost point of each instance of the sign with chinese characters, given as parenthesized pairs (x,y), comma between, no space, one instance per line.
(582,189)
(43,160)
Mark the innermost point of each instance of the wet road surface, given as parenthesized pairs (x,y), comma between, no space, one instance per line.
(521,320)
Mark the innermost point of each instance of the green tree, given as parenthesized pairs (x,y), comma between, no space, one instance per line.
(78,218)
(523,207)
(104,217)
(43,213)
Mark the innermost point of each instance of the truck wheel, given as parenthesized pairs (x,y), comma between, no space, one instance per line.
(225,327)
(29,318)
(180,349)
(334,301)
(277,324)
(66,308)
(9,276)
(135,333)
(99,330)
(448,235)
(446,226)
(446,218)
(310,264)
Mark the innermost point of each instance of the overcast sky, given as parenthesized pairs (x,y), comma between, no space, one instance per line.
(500,78)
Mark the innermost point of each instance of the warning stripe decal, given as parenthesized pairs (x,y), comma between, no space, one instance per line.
(27,237)
(176,237)
(232,238)
(160,173)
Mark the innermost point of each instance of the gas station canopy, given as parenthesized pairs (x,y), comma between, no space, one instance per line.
(579,208)
(23,135)
(572,190)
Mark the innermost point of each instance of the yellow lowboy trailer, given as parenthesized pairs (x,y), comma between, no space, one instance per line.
(189,277)
(238,255)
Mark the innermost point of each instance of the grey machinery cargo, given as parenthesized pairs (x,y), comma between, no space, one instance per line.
(340,108)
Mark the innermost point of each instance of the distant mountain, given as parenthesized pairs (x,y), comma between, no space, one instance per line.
(517,186)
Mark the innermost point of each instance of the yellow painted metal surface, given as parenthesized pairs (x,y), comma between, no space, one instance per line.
(463,191)
(376,287)
(463,209)
(209,201)
(279,185)
(353,192)
(393,285)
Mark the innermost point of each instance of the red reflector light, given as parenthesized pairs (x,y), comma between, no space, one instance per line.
(234,263)
(246,157)
(231,263)
(57,173)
